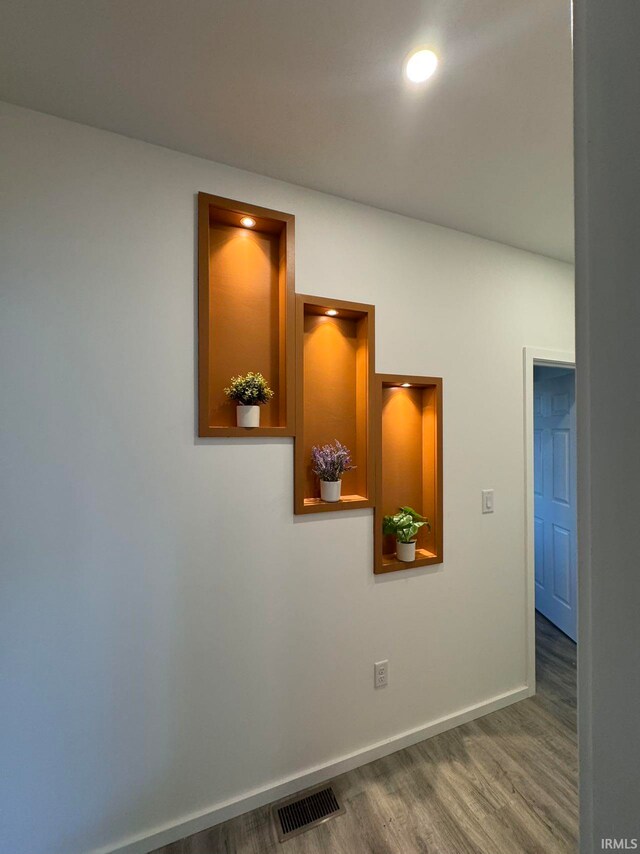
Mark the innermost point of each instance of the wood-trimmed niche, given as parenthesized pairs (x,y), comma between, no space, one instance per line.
(335,364)
(408,464)
(246,304)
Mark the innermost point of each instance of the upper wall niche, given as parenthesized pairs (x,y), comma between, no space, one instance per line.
(245,313)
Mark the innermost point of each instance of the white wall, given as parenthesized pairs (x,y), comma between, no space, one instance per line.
(607,92)
(158,657)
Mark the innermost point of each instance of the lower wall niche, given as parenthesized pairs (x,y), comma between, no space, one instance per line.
(408,464)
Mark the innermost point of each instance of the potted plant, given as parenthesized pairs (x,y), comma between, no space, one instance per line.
(250,391)
(330,462)
(404,526)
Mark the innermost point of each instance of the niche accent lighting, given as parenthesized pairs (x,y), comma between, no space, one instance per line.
(247,221)
(420,65)
(331,312)
(406,385)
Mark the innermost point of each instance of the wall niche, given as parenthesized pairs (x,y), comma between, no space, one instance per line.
(408,464)
(335,367)
(245,312)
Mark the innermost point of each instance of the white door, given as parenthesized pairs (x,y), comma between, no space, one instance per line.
(555,496)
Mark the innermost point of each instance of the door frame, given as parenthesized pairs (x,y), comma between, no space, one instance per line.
(533,356)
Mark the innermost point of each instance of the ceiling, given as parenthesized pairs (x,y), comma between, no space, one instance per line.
(311,91)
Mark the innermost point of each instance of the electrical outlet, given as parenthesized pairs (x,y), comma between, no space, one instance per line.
(487,500)
(381,674)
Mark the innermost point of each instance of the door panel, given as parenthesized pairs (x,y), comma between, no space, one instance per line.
(539,542)
(554,453)
(560,463)
(560,404)
(538,470)
(561,565)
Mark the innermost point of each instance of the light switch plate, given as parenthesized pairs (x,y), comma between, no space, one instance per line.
(487,500)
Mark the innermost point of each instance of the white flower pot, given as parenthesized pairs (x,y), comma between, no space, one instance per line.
(248,416)
(406,551)
(330,490)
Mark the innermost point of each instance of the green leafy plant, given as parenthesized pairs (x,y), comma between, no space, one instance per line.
(249,390)
(404,525)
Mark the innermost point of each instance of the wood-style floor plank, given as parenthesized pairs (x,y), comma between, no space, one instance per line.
(503,784)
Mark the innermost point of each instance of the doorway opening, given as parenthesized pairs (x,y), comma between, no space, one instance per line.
(554,487)
(554,534)
(551,518)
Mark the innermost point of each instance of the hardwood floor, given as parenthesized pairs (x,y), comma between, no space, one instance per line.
(503,784)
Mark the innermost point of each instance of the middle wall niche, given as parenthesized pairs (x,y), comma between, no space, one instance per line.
(335,367)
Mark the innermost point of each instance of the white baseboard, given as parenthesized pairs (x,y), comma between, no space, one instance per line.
(312,776)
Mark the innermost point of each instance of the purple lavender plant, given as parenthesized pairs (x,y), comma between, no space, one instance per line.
(330,462)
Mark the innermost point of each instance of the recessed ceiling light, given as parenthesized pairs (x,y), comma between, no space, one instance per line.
(420,65)
(406,385)
(247,221)
(331,312)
